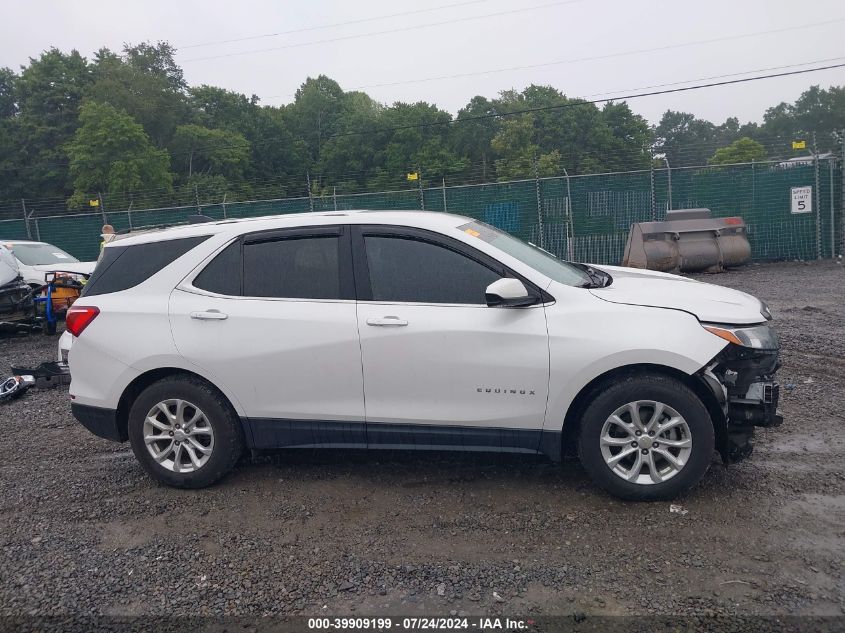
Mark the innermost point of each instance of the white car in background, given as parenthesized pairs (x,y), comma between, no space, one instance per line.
(35,259)
(412,330)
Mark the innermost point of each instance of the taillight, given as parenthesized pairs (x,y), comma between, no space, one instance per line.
(78,318)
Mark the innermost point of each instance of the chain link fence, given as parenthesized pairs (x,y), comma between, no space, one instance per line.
(584,217)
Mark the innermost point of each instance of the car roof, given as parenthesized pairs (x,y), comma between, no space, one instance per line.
(435,220)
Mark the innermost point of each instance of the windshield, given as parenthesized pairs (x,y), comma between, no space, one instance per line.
(540,260)
(38,253)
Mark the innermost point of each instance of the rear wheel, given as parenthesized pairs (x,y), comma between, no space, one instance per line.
(646,437)
(184,432)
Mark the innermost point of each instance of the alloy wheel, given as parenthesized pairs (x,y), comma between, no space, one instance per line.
(646,442)
(178,435)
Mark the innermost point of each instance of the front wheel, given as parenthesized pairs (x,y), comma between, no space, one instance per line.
(646,437)
(184,432)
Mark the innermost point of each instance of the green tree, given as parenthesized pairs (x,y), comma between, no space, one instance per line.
(743,150)
(684,139)
(146,82)
(202,150)
(274,153)
(8,97)
(626,140)
(816,111)
(411,136)
(517,153)
(474,129)
(110,152)
(47,94)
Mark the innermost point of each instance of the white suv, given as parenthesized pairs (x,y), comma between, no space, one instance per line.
(412,330)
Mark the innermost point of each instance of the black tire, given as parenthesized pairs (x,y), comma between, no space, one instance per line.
(228,432)
(660,388)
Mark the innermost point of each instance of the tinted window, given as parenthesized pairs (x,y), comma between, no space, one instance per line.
(412,270)
(123,267)
(294,268)
(223,273)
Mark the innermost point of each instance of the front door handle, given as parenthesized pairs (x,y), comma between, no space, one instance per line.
(210,315)
(387,321)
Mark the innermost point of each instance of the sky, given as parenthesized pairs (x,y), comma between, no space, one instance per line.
(447,51)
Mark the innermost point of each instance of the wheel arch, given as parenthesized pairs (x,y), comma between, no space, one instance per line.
(144,380)
(572,419)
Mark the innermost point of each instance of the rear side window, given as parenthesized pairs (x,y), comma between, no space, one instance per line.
(124,267)
(292,268)
(223,274)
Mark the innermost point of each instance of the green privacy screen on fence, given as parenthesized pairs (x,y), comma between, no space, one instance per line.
(583,217)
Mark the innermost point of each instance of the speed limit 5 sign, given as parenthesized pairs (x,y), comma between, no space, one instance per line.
(802,199)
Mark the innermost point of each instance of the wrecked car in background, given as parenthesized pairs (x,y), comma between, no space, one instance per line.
(36,259)
(16,305)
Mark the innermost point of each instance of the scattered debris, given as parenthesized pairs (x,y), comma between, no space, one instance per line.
(678,509)
(14,386)
(497,597)
(46,375)
(734,582)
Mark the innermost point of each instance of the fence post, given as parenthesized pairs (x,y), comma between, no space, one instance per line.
(310,195)
(539,203)
(26,220)
(197,198)
(653,199)
(37,230)
(102,208)
(334,197)
(842,191)
(129,212)
(225,193)
(570,221)
(419,184)
(830,162)
(818,201)
(443,181)
(669,176)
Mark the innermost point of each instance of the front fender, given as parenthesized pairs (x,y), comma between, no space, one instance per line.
(588,342)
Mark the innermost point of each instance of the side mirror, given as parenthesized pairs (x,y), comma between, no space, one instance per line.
(508,292)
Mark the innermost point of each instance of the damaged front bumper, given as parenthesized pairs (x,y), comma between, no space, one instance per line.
(743,381)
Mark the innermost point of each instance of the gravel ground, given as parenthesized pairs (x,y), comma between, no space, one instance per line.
(84,531)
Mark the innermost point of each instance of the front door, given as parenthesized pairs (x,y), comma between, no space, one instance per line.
(272,317)
(441,368)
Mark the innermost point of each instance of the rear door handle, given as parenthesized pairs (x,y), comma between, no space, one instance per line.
(387,321)
(210,315)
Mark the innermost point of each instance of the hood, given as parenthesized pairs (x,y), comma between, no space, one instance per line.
(8,266)
(84,268)
(710,303)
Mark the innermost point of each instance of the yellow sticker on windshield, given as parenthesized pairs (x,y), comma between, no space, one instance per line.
(472,232)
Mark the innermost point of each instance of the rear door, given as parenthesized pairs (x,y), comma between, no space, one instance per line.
(272,316)
(441,368)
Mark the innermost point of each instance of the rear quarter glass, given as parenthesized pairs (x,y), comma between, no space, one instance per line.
(124,267)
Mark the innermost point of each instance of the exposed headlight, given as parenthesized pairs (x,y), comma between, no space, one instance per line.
(756,337)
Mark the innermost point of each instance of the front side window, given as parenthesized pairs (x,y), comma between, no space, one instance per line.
(292,268)
(411,270)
